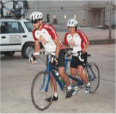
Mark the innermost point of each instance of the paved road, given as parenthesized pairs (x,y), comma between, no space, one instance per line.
(17,75)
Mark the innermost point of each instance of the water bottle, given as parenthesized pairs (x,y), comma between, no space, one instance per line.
(59,77)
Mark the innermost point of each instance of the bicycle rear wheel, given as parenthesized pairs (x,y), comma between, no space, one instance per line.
(93,76)
(39,93)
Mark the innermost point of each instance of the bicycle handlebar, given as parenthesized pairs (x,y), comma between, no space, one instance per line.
(78,52)
(68,54)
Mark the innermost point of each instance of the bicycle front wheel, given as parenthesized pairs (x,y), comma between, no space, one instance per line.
(93,76)
(40,91)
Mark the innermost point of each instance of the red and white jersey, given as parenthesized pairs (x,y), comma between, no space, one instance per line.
(46,36)
(77,42)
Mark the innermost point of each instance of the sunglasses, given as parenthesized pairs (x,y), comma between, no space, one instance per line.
(71,27)
(36,21)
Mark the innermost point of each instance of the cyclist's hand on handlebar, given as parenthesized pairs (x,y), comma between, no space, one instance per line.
(83,51)
(54,60)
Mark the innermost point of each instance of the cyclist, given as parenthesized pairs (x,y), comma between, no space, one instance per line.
(79,42)
(47,35)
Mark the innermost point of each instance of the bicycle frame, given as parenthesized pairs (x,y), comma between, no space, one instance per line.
(51,68)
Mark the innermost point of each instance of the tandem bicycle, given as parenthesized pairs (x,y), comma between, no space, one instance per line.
(42,89)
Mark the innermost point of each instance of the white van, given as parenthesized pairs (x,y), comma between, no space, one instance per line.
(16,36)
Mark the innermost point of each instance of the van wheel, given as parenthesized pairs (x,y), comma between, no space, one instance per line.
(10,53)
(27,50)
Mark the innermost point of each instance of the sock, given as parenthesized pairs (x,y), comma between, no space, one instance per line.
(55,94)
(88,84)
(76,87)
(69,88)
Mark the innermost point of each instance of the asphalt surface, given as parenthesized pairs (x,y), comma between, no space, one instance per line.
(17,75)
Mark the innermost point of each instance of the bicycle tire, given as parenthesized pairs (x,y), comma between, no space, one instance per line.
(39,97)
(93,76)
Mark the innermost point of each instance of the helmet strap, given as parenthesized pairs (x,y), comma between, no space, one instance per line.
(38,27)
(75,28)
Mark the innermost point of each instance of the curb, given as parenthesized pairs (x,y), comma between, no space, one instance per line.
(102,41)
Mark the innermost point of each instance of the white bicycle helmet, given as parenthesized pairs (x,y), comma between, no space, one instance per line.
(35,16)
(72,22)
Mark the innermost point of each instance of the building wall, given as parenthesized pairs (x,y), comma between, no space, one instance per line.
(87,13)
(60,9)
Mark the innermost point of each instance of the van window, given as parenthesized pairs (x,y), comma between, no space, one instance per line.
(29,26)
(11,27)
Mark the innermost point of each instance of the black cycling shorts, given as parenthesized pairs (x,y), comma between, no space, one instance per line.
(76,62)
(61,58)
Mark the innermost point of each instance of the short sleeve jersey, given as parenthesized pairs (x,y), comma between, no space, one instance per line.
(46,36)
(79,39)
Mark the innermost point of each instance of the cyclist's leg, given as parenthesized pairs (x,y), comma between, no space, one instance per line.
(73,67)
(53,82)
(80,73)
(81,68)
(55,95)
(61,65)
(74,84)
(73,73)
(61,69)
(52,79)
(66,81)
(64,76)
(84,78)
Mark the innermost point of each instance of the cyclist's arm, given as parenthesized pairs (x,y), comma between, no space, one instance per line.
(84,40)
(65,42)
(58,45)
(86,46)
(55,38)
(37,48)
